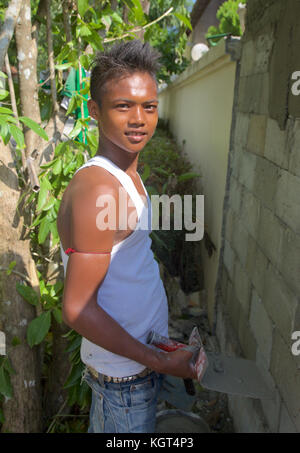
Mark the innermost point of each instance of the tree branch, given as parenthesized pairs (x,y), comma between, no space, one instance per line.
(137,29)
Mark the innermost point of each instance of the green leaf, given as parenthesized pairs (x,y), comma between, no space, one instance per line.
(38,329)
(83,30)
(15,341)
(74,376)
(186,176)
(138,11)
(6,110)
(3,94)
(160,171)
(49,204)
(42,197)
(83,6)
(72,105)
(76,130)
(85,62)
(106,20)
(17,135)
(184,19)
(57,315)
(95,40)
(8,366)
(10,267)
(74,344)
(34,126)
(43,229)
(5,384)
(146,173)
(28,294)
(57,167)
(116,18)
(63,66)
(3,75)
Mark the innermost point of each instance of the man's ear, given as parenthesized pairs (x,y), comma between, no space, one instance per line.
(93,109)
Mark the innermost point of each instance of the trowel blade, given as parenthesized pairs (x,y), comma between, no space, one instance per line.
(235,376)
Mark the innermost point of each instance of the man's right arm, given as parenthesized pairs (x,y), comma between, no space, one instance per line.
(85,274)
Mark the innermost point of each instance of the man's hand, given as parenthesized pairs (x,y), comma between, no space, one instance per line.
(177,363)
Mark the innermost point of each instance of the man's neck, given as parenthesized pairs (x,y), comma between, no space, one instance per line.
(124,160)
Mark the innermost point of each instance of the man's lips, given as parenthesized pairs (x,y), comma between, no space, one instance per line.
(135,136)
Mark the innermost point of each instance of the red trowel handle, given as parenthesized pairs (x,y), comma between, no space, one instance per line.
(168,345)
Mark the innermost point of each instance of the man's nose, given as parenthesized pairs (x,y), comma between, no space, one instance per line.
(137,117)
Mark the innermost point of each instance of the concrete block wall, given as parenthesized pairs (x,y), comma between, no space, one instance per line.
(258,303)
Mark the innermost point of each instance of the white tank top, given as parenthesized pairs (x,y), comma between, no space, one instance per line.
(132,292)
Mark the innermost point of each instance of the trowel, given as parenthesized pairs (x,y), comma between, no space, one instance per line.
(216,371)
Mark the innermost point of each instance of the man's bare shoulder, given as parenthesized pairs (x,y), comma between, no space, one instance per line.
(82,203)
(93,179)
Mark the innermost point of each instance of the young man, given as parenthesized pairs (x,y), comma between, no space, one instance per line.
(113,293)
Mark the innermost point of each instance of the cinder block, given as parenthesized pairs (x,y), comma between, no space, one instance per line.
(241,130)
(246,337)
(286,424)
(250,212)
(243,102)
(286,374)
(248,58)
(271,406)
(263,108)
(275,146)
(246,171)
(229,259)
(252,96)
(235,195)
(233,307)
(287,200)
(257,134)
(246,417)
(294,140)
(225,333)
(239,240)
(280,303)
(234,163)
(270,235)
(265,182)
(262,327)
(289,259)
(256,265)
(242,287)
(224,282)
(263,48)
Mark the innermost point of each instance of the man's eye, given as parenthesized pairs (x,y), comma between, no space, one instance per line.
(122,106)
(151,107)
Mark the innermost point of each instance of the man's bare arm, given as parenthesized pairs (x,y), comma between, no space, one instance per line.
(85,274)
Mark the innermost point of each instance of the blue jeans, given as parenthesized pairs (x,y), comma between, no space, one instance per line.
(126,407)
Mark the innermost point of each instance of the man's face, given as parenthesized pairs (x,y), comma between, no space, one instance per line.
(128,114)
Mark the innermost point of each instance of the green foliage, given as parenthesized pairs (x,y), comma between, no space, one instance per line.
(166,170)
(229,20)
(6,370)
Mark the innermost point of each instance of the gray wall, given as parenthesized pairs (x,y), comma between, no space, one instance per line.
(258,283)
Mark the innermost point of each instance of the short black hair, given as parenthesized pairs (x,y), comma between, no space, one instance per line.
(118,61)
